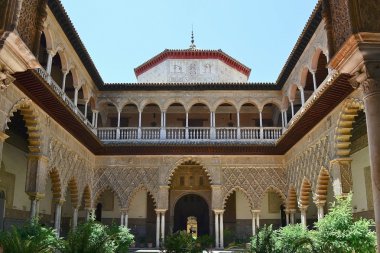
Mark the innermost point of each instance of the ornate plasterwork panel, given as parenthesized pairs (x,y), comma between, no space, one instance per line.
(308,164)
(70,165)
(254,182)
(341,24)
(124,181)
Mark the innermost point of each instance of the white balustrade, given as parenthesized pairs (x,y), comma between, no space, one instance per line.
(249,133)
(61,94)
(128,133)
(106,134)
(150,133)
(199,133)
(272,133)
(175,133)
(226,133)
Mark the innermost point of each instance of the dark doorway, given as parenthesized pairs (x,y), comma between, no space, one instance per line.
(98,212)
(191,205)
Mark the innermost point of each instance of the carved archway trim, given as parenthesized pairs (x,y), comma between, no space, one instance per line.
(322,185)
(291,201)
(183,161)
(32,123)
(235,189)
(305,193)
(275,190)
(344,126)
(133,194)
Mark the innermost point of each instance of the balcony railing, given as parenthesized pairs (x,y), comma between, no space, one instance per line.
(57,89)
(188,133)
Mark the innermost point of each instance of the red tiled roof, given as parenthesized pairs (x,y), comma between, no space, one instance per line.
(192,54)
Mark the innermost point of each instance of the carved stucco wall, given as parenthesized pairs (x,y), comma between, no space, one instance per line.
(64,153)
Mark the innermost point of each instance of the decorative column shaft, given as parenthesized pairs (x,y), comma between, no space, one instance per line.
(64,80)
(302,95)
(122,218)
(292,216)
(314,80)
(76,96)
(261,125)
(126,219)
(163,225)
(49,61)
(303,215)
(86,109)
(139,129)
(292,107)
(253,222)
(221,227)
(75,218)
(35,203)
(287,217)
(57,219)
(216,229)
(320,205)
(187,126)
(158,229)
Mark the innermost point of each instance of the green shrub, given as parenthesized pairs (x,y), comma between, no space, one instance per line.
(30,238)
(181,242)
(338,232)
(294,239)
(94,237)
(264,241)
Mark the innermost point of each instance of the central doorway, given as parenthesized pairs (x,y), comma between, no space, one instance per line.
(192,205)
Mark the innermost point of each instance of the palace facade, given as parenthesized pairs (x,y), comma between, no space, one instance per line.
(191,145)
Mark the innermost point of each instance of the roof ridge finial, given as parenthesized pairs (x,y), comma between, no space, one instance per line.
(192,45)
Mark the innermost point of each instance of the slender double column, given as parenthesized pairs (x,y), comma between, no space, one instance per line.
(35,204)
(303,210)
(320,205)
(58,215)
(255,221)
(160,226)
(219,229)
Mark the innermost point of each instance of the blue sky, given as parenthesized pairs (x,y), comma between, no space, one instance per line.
(122,34)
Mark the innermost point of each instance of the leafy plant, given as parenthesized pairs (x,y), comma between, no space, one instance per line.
(264,241)
(30,238)
(204,242)
(338,232)
(294,239)
(94,237)
(181,242)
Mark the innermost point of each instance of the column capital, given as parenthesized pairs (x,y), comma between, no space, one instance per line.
(124,210)
(218,211)
(160,211)
(255,211)
(3,136)
(303,208)
(367,78)
(216,186)
(36,195)
(59,201)
(320,203)
(164,187)
(292,211)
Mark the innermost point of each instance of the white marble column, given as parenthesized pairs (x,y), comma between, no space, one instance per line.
(158,229)
(86,109)
(49,61)
(258,218)
(34,206)
(187,126)
(292,216)
(287,217)
(162,225)
(261,125)
(320,205)
(221,227)
(57,218)
(126,219)
(76,96)
(238,124)
(65,73)
(282,119)
(292,107)
(314,80)
(303,210)
(253,222)
(139,129)
(163,125)
(75,218)
(216,229)
(122,218)
(302,94)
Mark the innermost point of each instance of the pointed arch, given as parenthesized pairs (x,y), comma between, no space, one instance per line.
(305,192)
(103,189)
(235,189)
(187,161)
(322,185)
(32,123)
(276,190)
(133,194)
(344,127)
(291,200)
(72,186)
(56,185)
(86,197)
